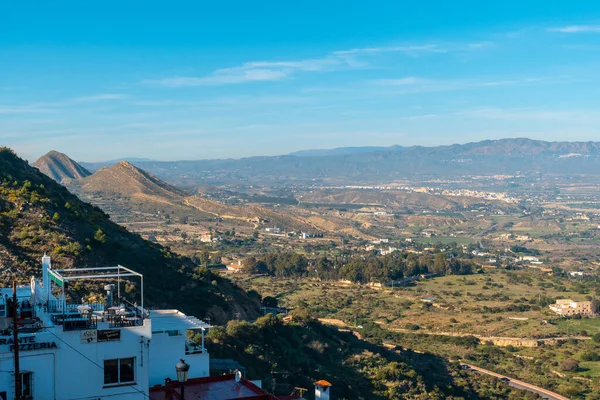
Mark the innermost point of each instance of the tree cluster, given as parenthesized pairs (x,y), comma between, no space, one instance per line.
(362,268)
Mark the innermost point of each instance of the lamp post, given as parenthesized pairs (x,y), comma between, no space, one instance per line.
(182,369)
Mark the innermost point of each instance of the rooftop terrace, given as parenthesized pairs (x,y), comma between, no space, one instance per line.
(52,304)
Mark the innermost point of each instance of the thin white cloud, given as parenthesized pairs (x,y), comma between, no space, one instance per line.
(256,71)
(47,107)
(99,97)
(479,45)
(316,64)
(223,101)
(576,29)
(411,50)
(410,80)
(265,71)
(228,76)
(32,109)
(421,85)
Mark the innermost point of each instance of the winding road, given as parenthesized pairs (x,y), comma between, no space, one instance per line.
(544,393)
(515,383)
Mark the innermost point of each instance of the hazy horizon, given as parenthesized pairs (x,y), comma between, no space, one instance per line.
(144,159)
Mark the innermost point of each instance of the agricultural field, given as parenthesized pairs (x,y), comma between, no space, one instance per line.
(469,314)
(495,303)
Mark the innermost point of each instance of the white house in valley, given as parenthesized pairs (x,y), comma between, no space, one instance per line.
(568,307)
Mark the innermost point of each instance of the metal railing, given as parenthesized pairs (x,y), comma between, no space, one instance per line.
(87,316)
(123,321)
(57,306)
(74,322)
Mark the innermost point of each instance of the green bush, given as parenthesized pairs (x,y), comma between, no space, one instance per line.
(590,356)
(569,365)
(100,236)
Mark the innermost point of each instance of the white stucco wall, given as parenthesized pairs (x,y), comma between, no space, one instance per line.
(165,353)
(132,344)
(75,370)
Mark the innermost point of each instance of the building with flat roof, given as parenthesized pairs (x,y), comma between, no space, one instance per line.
(74,346)
(568,307)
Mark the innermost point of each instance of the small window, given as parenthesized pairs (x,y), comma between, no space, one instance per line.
(27,384)
(119,371)
(126,370)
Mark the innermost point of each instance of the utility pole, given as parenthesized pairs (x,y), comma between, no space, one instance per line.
(18,386)
(273,381)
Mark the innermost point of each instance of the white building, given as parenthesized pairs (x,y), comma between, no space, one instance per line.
(389,250)
(236,267)
(90,350)
(380,241)
(531,259)
(569,307)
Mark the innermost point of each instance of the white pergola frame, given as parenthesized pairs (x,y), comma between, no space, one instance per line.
(67,275)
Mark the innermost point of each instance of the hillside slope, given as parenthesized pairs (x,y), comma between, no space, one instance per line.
(125,179)
(296,354)
(38,215)
(59,167)
(124,190)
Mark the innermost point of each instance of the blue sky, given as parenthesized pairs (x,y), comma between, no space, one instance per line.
(192,80)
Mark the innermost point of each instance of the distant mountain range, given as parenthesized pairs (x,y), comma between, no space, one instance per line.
(352,165)
(341,151)
(59,167)
(519,146)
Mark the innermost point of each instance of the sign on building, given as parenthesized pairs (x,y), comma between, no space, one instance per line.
(109,335)
(89,336)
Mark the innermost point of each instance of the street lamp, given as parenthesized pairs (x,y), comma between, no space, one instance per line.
(182,369)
